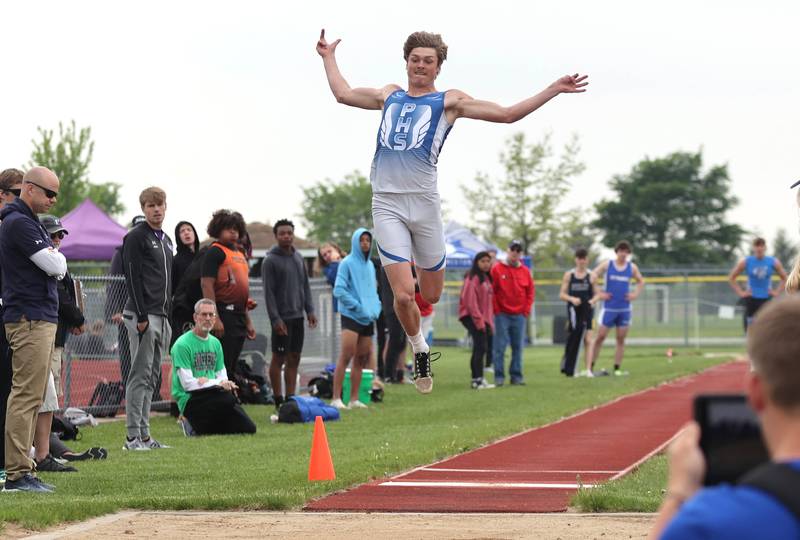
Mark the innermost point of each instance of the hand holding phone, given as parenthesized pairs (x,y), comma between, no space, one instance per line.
(730,437)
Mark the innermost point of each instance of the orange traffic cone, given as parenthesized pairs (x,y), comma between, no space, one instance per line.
(321,465)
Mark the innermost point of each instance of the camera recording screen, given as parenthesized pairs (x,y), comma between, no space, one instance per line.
(730,437)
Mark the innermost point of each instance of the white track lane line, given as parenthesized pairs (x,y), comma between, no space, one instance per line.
(485,485)
(539,471)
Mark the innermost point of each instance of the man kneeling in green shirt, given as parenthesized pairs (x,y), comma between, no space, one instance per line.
(200,383)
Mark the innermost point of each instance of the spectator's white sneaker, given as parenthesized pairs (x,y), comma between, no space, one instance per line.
(588,373)
(151,444)
(485,385)
(339,404)
(357,405)
(135,444)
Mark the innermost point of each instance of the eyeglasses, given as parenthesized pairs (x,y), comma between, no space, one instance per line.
(13,191)
(59,235)
(516,248)
(210,315)
(49,193)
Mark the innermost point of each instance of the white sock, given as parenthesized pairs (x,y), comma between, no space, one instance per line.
(418,343)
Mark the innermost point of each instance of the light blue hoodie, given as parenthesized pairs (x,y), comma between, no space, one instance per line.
(356,288)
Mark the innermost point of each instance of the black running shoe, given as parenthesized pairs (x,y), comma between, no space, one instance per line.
(92,453)
(49,464)
(423,376)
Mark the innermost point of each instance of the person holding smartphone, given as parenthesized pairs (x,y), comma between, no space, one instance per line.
(766,502)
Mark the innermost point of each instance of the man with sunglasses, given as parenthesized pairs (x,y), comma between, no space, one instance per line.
(70,320)
(31,267)
(513,299)
(10,187)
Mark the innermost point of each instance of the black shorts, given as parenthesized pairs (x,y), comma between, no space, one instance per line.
(291,343)
(360,329)
(580,317)
(751,307)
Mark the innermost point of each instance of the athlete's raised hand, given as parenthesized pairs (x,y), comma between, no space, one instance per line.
(323,47)
(570,84)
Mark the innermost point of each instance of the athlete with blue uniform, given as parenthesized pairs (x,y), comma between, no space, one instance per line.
(406,208)
(617,298)
(759,268)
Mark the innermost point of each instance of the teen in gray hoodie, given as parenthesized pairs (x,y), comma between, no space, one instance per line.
(287,296)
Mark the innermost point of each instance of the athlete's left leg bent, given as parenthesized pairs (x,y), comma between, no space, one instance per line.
(431,284)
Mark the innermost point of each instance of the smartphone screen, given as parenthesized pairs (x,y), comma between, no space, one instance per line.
(730,437)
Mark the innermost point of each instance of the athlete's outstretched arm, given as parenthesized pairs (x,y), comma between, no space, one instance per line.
(363,98)
(464,106)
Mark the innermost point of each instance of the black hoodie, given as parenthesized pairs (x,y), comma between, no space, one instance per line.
(184,256)
(147,262)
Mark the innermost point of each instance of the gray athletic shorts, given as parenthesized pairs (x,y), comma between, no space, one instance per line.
(408,228)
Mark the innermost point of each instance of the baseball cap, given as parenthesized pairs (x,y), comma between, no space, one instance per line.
(137,219)
(515,243)
(52,224)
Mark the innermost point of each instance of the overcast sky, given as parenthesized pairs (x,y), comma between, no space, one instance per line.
(226,104)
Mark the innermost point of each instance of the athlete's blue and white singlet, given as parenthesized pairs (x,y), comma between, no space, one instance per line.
(759,274)
(406,210)
(617,309)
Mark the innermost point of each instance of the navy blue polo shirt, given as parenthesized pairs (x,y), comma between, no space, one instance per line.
(27,291)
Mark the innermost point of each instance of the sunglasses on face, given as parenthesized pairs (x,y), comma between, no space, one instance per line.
(516,248)
(49,193)
(13,191)
(59,235)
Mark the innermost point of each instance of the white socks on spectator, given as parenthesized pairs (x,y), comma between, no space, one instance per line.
(418,343)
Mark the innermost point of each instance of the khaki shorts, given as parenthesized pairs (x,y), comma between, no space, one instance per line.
(50,402)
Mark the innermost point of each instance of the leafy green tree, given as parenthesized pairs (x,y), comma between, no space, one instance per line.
(784,249)
(527,202)
(672,212)
(485,206)
(333,210)
(69,154)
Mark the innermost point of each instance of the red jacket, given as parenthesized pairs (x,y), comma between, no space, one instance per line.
(513,289)
(476,302)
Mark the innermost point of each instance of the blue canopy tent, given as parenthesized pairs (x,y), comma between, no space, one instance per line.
(461,246)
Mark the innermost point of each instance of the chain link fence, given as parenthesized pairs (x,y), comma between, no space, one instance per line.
(677,307)
(96,363)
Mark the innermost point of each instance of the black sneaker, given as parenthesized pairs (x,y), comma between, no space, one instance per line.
(92,453)
(49,464)
(28,483)
(423,376)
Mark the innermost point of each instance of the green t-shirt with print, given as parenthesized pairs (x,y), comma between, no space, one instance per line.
(202,356)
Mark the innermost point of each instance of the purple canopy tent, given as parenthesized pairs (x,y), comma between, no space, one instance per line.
(93,235)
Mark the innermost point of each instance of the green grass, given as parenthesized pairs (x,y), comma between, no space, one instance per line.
(641,491)
(268,470)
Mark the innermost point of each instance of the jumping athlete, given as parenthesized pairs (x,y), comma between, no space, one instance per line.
(577,290)
(617,298)
(759,268)
(406,209)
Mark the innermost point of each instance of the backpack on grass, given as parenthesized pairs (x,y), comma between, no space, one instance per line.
(107,398)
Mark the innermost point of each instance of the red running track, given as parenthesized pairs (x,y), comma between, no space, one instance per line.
(539,470)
